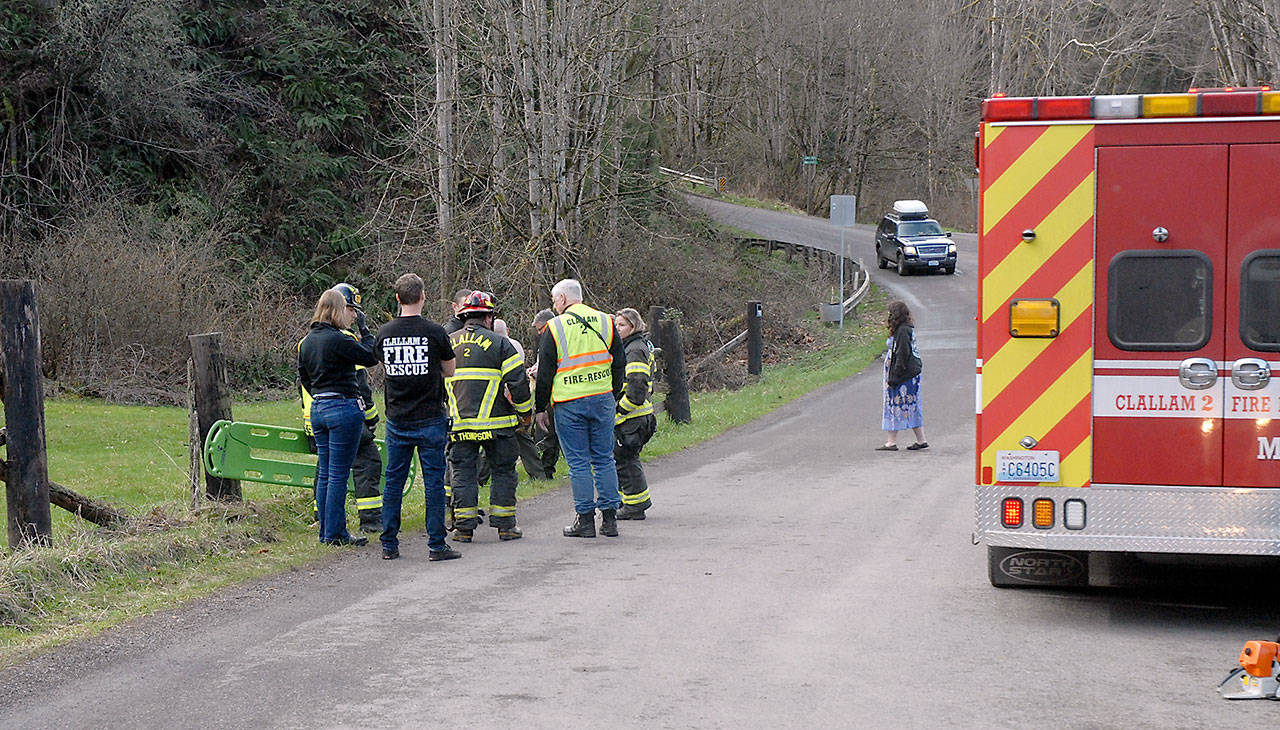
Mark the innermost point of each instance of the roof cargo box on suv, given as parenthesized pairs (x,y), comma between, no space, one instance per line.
(910,210)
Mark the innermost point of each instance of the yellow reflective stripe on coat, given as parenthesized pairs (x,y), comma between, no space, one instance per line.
(640,498)
(491,395)
(639,367)
(492,379)
(512,363)
(483,424)
(475,374)
(644,410)
(363,503)
(465,513)
(523,406)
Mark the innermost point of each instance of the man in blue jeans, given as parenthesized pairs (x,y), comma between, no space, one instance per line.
(582,368)
(417,357)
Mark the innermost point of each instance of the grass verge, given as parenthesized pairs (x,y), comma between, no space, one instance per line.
(94,578)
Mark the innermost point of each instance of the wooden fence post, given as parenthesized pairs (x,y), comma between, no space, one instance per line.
(755,341)
(656,313)
(27,472)
(195,456)
(677,403)
(213,403)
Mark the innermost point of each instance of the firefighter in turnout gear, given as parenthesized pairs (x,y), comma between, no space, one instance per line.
(485,419)
(366,471)
(634,423)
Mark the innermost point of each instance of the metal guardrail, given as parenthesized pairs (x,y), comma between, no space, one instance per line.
(860,290)
(689,177)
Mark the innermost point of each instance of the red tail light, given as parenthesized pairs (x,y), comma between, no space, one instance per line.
(1012,512)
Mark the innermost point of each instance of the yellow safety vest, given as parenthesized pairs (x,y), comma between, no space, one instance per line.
(583,362)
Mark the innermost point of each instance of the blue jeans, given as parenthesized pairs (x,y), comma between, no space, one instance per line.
(585,429)
(427,436)
(337,423)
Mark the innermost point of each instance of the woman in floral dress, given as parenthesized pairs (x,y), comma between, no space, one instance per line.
(902,409)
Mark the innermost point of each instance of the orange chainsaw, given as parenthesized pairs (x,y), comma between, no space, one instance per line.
(1258,676)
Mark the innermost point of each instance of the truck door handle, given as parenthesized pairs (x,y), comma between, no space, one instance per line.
(1198,373)
(1250,373)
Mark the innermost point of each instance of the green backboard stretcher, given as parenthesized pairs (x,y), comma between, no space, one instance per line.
(249,452)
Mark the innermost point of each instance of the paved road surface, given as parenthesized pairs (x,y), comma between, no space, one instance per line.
(789,577)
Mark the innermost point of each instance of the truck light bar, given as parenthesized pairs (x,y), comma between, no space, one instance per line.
(1197,103)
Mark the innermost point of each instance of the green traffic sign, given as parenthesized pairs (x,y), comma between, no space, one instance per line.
(810,160)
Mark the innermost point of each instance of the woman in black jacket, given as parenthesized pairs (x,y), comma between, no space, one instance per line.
(902,365)
(327,359)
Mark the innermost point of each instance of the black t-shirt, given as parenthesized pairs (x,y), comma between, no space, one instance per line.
(411,349)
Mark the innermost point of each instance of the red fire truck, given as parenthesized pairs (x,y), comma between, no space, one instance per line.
(1128,323)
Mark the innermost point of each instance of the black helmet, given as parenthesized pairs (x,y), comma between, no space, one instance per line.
(350,293)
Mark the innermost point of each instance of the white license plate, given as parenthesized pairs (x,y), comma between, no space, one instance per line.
(933,263)
(1027,466)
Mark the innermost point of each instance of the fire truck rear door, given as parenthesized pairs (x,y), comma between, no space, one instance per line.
(1160,247)
(1251,432)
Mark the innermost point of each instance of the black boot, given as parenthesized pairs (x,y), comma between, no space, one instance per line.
(609,522)
(630,512)
(583,526)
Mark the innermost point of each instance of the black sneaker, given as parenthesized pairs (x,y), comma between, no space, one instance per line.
(390,553)
(445,553)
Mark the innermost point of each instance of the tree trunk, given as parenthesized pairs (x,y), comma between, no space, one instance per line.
(443,48)
(77,504)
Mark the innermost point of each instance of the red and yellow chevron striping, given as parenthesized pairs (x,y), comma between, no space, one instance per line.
(1039,178)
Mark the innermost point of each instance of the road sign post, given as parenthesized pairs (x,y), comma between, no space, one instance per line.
(843,210)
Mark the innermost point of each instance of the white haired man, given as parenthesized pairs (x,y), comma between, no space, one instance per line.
(584,384)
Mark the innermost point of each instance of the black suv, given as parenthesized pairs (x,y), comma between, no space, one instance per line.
(911,240)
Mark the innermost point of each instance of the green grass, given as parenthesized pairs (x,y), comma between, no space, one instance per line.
(134,457)
(714,412)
